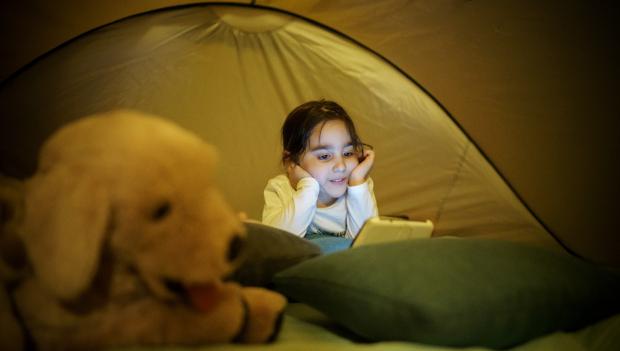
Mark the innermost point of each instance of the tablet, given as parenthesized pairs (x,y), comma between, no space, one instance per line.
(382,229)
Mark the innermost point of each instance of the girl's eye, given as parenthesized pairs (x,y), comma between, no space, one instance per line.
(349,154)
(324,157)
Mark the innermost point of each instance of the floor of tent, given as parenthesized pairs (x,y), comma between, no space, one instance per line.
(305,328)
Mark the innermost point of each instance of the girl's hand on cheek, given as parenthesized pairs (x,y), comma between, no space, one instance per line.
(296,173)
(361,171)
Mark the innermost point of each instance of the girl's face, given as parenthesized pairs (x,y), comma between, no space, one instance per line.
(330,158)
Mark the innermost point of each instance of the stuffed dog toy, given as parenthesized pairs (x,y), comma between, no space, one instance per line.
(129,241)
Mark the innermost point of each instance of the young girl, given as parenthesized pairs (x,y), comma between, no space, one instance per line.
(326,191)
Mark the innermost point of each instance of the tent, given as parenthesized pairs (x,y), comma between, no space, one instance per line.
(493,119)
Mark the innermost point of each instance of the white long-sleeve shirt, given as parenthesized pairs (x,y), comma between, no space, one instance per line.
(296,211)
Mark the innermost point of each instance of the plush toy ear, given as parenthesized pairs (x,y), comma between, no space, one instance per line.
(66,218)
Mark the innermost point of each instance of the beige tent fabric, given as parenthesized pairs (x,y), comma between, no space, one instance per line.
(532,82)
(232,74)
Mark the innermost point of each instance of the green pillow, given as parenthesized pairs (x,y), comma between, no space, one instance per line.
(269,250)
(453,292)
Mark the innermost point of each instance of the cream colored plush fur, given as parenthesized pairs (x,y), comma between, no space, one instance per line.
(120,218)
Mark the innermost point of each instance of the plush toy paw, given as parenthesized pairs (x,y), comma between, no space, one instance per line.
(265,309)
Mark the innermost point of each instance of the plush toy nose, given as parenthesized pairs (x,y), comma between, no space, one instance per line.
(236,246)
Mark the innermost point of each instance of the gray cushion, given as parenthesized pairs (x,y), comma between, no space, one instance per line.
(269,250)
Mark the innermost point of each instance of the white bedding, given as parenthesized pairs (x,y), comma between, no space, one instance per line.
(305,329)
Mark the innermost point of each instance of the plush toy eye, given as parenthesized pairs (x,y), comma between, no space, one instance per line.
(161,211)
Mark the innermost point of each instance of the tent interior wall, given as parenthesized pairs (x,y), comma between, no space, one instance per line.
(531,82)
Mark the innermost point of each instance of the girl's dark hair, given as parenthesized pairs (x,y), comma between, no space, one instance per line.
(300,123)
